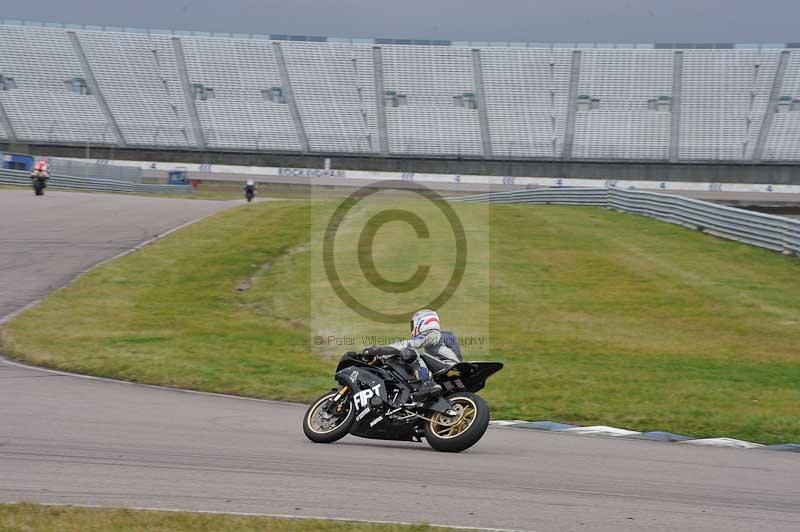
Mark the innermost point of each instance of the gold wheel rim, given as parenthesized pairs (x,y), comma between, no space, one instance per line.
(313,416)
(446,427)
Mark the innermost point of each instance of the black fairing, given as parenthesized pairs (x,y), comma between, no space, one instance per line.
(466,376)
(398,431)
(366,384)
(362,378)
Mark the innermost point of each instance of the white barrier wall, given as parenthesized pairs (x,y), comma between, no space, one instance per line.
(262,174)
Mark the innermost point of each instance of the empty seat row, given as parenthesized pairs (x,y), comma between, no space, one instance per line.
(149,90)
(41,62)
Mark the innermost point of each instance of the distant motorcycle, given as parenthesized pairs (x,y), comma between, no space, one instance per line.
(39,176)
(39,183)
(375,400)
(250,190)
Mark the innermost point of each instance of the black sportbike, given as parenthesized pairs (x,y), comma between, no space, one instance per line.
(375,400)
(39,184)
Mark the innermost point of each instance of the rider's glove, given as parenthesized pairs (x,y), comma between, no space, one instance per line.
(380,350)
(370,351)
(408,355)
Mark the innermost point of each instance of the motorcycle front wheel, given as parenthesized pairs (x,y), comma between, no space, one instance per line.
(453,434)
(322,422)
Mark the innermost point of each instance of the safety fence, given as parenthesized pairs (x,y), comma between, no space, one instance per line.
(777,233)
(16,177)
(94,170)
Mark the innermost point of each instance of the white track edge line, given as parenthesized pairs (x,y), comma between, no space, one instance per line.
(11,362)
(718,441)
(496,423)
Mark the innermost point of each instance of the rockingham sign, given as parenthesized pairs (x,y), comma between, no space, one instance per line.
(311,172)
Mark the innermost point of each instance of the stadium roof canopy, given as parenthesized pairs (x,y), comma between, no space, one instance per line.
(419,42)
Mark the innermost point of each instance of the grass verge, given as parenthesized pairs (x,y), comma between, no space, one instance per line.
(29,517)
(600,317)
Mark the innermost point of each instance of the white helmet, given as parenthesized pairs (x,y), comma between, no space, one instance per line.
(250,183)
(423,321)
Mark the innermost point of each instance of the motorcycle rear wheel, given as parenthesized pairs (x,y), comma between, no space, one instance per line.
(453,434)
(315,425)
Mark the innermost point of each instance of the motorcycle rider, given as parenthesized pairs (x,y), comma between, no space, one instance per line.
(40,169)
(41,173)
(426,336)
(250,188)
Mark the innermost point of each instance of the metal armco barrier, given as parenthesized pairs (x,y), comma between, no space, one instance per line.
(543,196)
(777,233)
(16,177)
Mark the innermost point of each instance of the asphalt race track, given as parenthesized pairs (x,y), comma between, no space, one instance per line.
(45,241)
(75,440)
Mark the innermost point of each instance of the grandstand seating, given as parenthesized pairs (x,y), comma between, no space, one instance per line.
(138,77)
(724,98)
(430,123)
(526,99)
(89,85)
(784,136)
(334,88)
(238,116)
(41,107)
(622,126)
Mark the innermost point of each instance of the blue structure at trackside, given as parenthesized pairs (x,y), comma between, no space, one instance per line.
(15,161)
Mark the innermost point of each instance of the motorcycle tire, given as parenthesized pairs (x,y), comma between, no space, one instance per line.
(329,436)
(438,435)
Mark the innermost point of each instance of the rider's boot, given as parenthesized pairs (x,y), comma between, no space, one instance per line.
(426,389)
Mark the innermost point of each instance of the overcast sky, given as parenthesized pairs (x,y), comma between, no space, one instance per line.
(496,20)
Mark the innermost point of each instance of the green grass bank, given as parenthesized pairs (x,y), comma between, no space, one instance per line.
(38,518)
